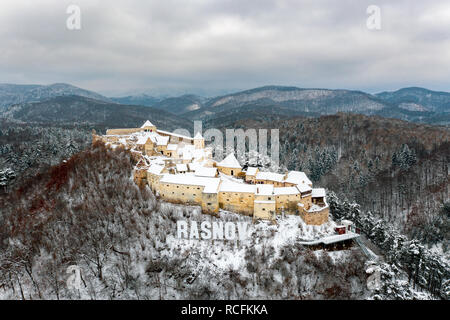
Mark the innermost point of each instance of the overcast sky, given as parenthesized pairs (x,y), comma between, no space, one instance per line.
(213,47)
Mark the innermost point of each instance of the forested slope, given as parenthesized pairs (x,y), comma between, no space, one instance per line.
(396,169)
(88,212)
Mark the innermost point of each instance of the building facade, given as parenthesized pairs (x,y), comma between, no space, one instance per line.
(180,169)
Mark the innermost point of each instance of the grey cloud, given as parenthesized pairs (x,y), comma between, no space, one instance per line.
(211,47)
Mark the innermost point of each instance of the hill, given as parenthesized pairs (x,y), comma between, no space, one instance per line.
(418,99)
(411,104)
(176,105)
(140,100)
(269,102)
(396,169)
(15,94)
(123,239)
(182,104)
(76,109)
(323,101)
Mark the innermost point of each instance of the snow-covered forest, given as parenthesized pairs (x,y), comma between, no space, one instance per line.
(61,206)
(25,149)
(88,212)
(396,169)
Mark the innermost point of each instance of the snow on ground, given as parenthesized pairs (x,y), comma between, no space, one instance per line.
(226,255)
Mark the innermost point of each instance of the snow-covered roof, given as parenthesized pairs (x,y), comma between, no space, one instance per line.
(285,191)
(229,162)
(162,140)
(272,176)
(142,139)
(264,189)
(190,179)
(332,239)
(212,186)
(194,166)
(187,155)
(198,136)
(297,177)
(181,167)
(251,171)
(174,134)
(198,153)
(147,124)
(303,188)
(172,147)
(205,172)
(339,237)
(318,192)
(156,169)
(230,186)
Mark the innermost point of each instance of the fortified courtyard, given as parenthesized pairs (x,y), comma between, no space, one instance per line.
(180,169)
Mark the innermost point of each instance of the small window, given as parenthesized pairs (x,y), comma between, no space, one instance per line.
(270,198)
(209,203)
(264,209)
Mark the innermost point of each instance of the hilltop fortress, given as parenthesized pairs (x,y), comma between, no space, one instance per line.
(180,169)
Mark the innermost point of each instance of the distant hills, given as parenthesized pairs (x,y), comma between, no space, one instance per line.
(418,99)
(76,109)
(140,100)
(263,103)
(181,105)
(15,93)
(411,104)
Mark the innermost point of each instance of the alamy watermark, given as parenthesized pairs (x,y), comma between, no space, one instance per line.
(237,140)
(73,22)
(73,282)
(373,22)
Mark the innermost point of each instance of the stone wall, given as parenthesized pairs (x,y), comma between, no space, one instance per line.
(240,202)
(287,203)
(315,218)
(264,210)
(229,171)
(180,193)
(123,131)
(210,203)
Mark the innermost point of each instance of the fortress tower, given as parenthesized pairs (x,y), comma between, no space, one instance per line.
(148,126)
(199,142)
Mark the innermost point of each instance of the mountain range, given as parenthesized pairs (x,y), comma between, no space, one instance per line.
(35,103)
(16,93)
(70,109)
(411,104)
